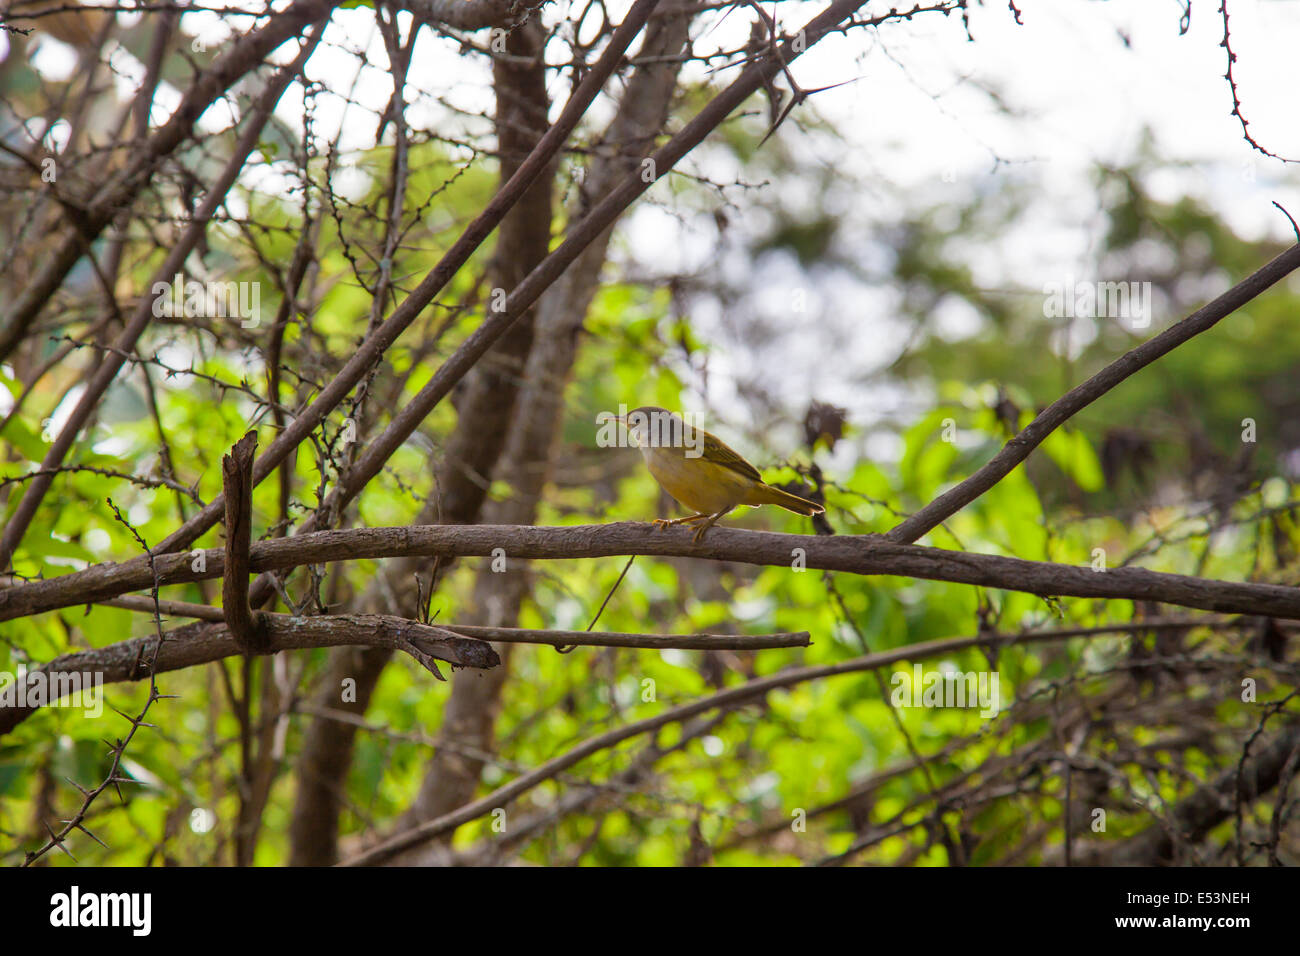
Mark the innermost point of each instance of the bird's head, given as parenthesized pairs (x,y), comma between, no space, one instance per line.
(652,425)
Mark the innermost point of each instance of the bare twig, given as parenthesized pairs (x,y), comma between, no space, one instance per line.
(1226,44)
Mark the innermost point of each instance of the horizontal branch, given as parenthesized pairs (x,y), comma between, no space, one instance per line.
(461,645)
(527,635)
(130,660)
(857,554)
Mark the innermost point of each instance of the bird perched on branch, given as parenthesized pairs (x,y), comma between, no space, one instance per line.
(701,472)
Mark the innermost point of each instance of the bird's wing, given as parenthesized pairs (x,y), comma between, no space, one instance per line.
(719,453)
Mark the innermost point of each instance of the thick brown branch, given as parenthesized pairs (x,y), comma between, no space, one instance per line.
(462,645)
(858,554)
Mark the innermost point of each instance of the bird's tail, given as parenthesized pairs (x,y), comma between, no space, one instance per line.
(767,495)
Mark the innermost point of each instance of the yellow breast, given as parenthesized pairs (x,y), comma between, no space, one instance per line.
(694,482)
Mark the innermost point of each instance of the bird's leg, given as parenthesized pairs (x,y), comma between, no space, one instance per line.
(665,522)
(699,532)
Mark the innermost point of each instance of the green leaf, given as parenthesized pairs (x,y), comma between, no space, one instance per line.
(26,439)
(1074,455)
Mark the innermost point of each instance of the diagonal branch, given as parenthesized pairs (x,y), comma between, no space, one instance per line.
(589,230)
(1017,449)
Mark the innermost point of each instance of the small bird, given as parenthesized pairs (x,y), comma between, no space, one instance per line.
(701,472)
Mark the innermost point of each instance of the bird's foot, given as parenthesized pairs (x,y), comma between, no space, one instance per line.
(669,522)
(699,532)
